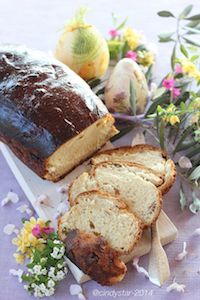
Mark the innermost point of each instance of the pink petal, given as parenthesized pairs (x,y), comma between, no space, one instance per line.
(48,230)
(176,92)
(132,55)
(36,231)
(113,33)
(168,83)
(178,69)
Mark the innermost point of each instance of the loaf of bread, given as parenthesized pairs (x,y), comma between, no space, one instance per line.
(49,117)
(131,183)
(146,155)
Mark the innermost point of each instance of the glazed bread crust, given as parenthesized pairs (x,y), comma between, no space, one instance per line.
(43,106)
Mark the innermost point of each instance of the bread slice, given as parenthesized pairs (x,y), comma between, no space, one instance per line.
(99,213)
(125,181)
(93,255)
(149,156)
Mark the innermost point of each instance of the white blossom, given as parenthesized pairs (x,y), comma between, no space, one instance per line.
(75,289)
(63,189)
(24,208)
(58,252)
(197,231)
(181,255)
(176,287)
(43,200)
(10,229)
(51,283)
(17,273)
(38,270)
(138,268)
(184,162)
(11,197)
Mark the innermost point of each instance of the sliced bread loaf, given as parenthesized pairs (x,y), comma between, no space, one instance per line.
(149,156)
(125,181)
(93,255)
(99,213)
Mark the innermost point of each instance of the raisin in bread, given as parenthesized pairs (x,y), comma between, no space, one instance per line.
(125,181)
(49,116)
(149,156)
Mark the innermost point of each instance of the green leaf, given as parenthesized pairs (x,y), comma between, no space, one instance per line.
(194,57)
(148,74)
(194,18)
(193,152)
(165,35)
(185,133)
(192,30)
(184,50)
(158,92)
(121,26)
(195,175)
(114,18)
(191,42)
(183,199)
(185,12)
(27,278)
(165,40)
(164,99)
(195,205)
(173,57)
(133,99)
(193,24)
(162,134)
(165,14)
(94,82)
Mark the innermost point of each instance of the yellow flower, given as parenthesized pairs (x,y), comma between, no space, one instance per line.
(146,58)
(26,242)
(132,37)
(174,119)
(190,69)
(19,258)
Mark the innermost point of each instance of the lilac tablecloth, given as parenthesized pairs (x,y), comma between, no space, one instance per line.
(36,23)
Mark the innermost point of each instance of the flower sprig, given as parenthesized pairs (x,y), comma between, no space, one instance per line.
(127,42)
(39,243)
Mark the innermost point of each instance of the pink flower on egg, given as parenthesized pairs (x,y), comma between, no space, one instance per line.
(176,92)
(178,69)
(36,231)
(48,230)
(168,83)
(132,55)
(113,33)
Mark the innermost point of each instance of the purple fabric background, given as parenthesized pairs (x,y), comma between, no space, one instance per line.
(36,24)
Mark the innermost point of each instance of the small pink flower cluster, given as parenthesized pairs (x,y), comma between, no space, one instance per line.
(113,33)
(37,230)
(169,83)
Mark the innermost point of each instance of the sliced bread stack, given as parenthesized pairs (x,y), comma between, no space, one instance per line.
(121,195)
(146,155)
(96,230)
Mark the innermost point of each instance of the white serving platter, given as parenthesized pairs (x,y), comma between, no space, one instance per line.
(33,186)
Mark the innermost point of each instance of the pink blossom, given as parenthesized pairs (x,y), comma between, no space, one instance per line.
(113,33)
(176,92)
(132,55)
(36,231)
(48,230)
(168,83)
(178,69)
